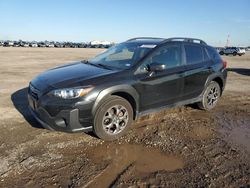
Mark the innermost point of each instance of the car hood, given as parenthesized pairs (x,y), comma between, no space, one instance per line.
(66,75)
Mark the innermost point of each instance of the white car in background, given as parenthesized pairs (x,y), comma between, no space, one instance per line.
(233,51)
(50,45)
(34,45)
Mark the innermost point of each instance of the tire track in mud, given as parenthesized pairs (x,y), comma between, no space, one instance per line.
(123,156)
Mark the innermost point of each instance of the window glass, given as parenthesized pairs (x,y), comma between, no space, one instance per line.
(122,56)
(167,55)
(194,54)
(206,56)
(213,53)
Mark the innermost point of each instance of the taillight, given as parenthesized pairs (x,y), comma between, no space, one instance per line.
(224,64)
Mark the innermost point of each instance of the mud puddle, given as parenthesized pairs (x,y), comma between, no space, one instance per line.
(238,137)
(122,157)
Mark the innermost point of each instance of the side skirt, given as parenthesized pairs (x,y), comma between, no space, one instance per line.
(181,103)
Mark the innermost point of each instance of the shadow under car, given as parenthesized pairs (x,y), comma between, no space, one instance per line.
(20,101)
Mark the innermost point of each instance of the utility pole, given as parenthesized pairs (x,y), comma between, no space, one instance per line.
(228,41)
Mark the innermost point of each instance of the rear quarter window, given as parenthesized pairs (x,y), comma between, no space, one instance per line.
(194,54)
(213,54)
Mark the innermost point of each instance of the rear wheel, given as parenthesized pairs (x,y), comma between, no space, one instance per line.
(112,118)
(210,97)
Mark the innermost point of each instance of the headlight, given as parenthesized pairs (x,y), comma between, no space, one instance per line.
(71,93)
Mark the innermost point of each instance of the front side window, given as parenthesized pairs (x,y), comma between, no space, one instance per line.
(194,54)
(169,55)
(122,56)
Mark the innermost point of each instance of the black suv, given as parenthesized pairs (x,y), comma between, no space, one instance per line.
(142,75)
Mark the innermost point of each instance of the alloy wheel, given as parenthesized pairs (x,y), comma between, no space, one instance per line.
(115,119)
(213,96)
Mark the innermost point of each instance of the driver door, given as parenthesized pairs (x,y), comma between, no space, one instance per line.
(165,87)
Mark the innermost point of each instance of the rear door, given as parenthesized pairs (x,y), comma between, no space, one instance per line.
(197,70)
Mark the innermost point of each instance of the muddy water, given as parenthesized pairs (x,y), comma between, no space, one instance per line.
(238,136)
(122,157)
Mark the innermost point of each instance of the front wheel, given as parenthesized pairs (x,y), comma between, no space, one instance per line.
(210,96)
(112,118)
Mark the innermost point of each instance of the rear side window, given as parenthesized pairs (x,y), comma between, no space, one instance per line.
(194,54)
(213,54)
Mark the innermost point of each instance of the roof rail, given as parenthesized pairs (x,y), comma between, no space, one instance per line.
(186,40)
(144,38)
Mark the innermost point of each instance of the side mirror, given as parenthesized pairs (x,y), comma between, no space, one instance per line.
(156,67)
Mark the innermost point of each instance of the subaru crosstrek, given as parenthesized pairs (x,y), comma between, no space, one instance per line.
(142,75)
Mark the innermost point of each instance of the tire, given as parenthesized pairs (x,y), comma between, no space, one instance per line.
(235,53)
(221,53)
(112,118)
(210,96)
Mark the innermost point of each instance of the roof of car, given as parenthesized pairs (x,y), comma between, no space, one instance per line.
(156,41)
(146,40)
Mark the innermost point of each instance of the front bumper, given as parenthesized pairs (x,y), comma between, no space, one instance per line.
(66,120)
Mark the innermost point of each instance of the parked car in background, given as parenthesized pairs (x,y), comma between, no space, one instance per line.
(8,43)
(26,44)
(82,45)
(139,76)
(233,51)
(33,44)
(67,45)
(74,45)
(59,45)
(100,44)
(218,49)
(41,45)
(50,45)
(17,44)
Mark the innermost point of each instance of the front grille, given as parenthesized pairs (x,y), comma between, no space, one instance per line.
(34,92)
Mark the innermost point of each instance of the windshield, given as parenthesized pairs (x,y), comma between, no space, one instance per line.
(122,56)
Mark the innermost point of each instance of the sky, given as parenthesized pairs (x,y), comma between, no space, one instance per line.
(119,20)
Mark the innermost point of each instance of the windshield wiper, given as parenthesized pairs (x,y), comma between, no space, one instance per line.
(87,62)
(97,65)
(104,66)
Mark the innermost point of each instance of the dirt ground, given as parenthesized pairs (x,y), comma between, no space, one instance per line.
(179,147)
